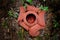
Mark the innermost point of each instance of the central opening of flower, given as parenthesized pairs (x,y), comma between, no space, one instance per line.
(31,18)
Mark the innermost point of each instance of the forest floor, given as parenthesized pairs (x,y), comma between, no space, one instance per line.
(10,30)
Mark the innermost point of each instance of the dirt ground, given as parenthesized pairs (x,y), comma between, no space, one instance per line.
(10,30)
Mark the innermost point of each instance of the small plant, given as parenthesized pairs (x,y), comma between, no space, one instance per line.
(5,23)
(12,14)
(56,24)
(21,34)
(29,1)
(43,8)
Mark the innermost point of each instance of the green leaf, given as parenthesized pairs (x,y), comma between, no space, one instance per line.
(20,34)
(10,13)
(25,5)
(45,8)
(41,7)
(29,1)
(56,25)
(15,15)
